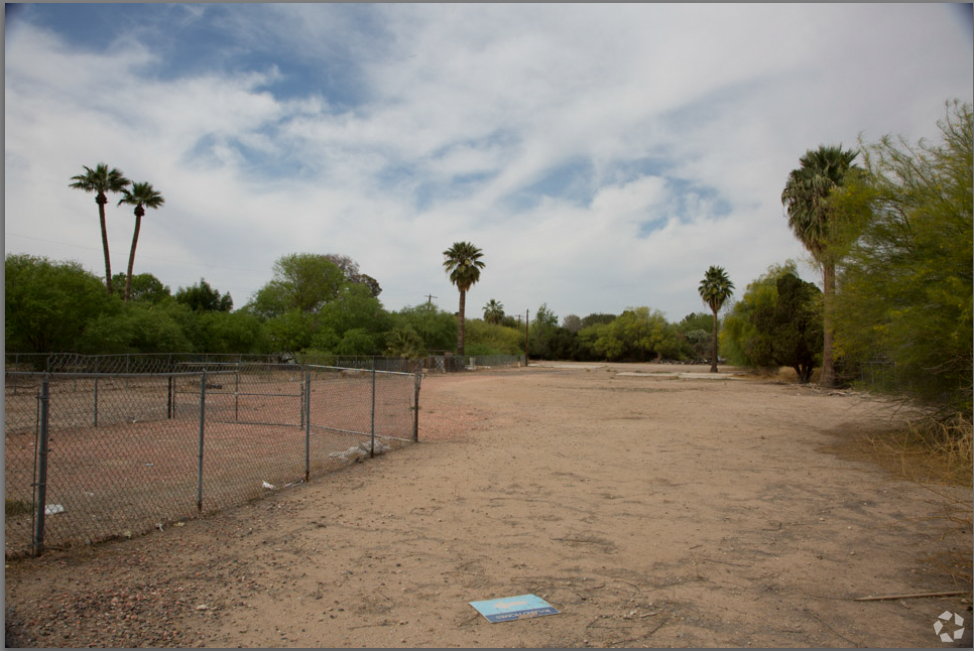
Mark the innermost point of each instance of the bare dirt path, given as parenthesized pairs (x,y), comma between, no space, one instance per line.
(650,510)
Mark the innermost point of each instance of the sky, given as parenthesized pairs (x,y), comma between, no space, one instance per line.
(601,156)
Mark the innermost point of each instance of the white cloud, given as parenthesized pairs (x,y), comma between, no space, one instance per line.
(423,125)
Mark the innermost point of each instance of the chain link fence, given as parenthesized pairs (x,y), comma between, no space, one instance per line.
(94,456)
(172,362)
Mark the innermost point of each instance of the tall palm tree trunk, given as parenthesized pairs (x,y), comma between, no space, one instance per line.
(101,199)
(713,347)
(460,328)
(828,284)
(135,241)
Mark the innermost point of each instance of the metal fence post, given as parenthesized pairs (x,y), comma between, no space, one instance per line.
(96,402)
(169,398)
(307,427)
(372,445)
(199,489)
(41,484)
(304,401)
(416,409)
(236,393)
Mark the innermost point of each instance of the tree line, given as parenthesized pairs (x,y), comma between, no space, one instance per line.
(893,239)
(891,236)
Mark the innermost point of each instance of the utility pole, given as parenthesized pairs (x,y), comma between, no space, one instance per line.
(527,318)
(429,300)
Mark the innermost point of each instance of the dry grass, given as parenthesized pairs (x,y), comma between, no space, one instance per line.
(940,455)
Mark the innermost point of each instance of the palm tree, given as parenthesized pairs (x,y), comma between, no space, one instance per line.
(493,312)
(142,196)
(463,264)
(810,216)
(101,180)
(715,288)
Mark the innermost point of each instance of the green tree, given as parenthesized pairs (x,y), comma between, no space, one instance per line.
(146,288)
(812,217)
(715,288)
(436,328)
(138,328)
(740,341)
(229,332)
(463,263)
(485,338)
(791,328)
(593,319)
(48,305)
(351,271)
(494,312)
(404,343)
(142,196)
(101,180)
(697,329)
(638,334)
(291,332)
(906,281)
(541,334)
(203,298)
(302,281)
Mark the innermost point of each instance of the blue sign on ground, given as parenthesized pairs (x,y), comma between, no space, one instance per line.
(511,608)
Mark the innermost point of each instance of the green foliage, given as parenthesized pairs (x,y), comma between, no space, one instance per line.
(353,275)
(354,307)
(542,332)
(146,288)
(715,288)
(696,321)
(639,334)
(906,282)
(99,181)
(302,281)
(48,305)
(436,328)
(141,196)
(697,329)
(593,319)
(790,332)
(203,298)
(463,263)
(291,332)
(357,341)
(137,327)
(485,338)
(494,312)
(404,342)
(740,340)
(231,332)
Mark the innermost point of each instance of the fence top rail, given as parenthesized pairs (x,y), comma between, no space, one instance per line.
(109,374)
(357,370)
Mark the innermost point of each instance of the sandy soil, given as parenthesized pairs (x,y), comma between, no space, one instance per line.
(650,510)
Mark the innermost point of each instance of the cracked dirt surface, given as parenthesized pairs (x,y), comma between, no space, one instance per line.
(649,510)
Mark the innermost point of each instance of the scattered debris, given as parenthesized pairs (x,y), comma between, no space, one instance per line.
(52,509)
(269,486)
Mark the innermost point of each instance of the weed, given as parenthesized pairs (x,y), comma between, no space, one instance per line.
(936,453)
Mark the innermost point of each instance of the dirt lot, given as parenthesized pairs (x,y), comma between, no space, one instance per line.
(650,510)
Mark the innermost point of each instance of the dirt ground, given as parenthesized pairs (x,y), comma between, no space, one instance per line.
(650,510)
